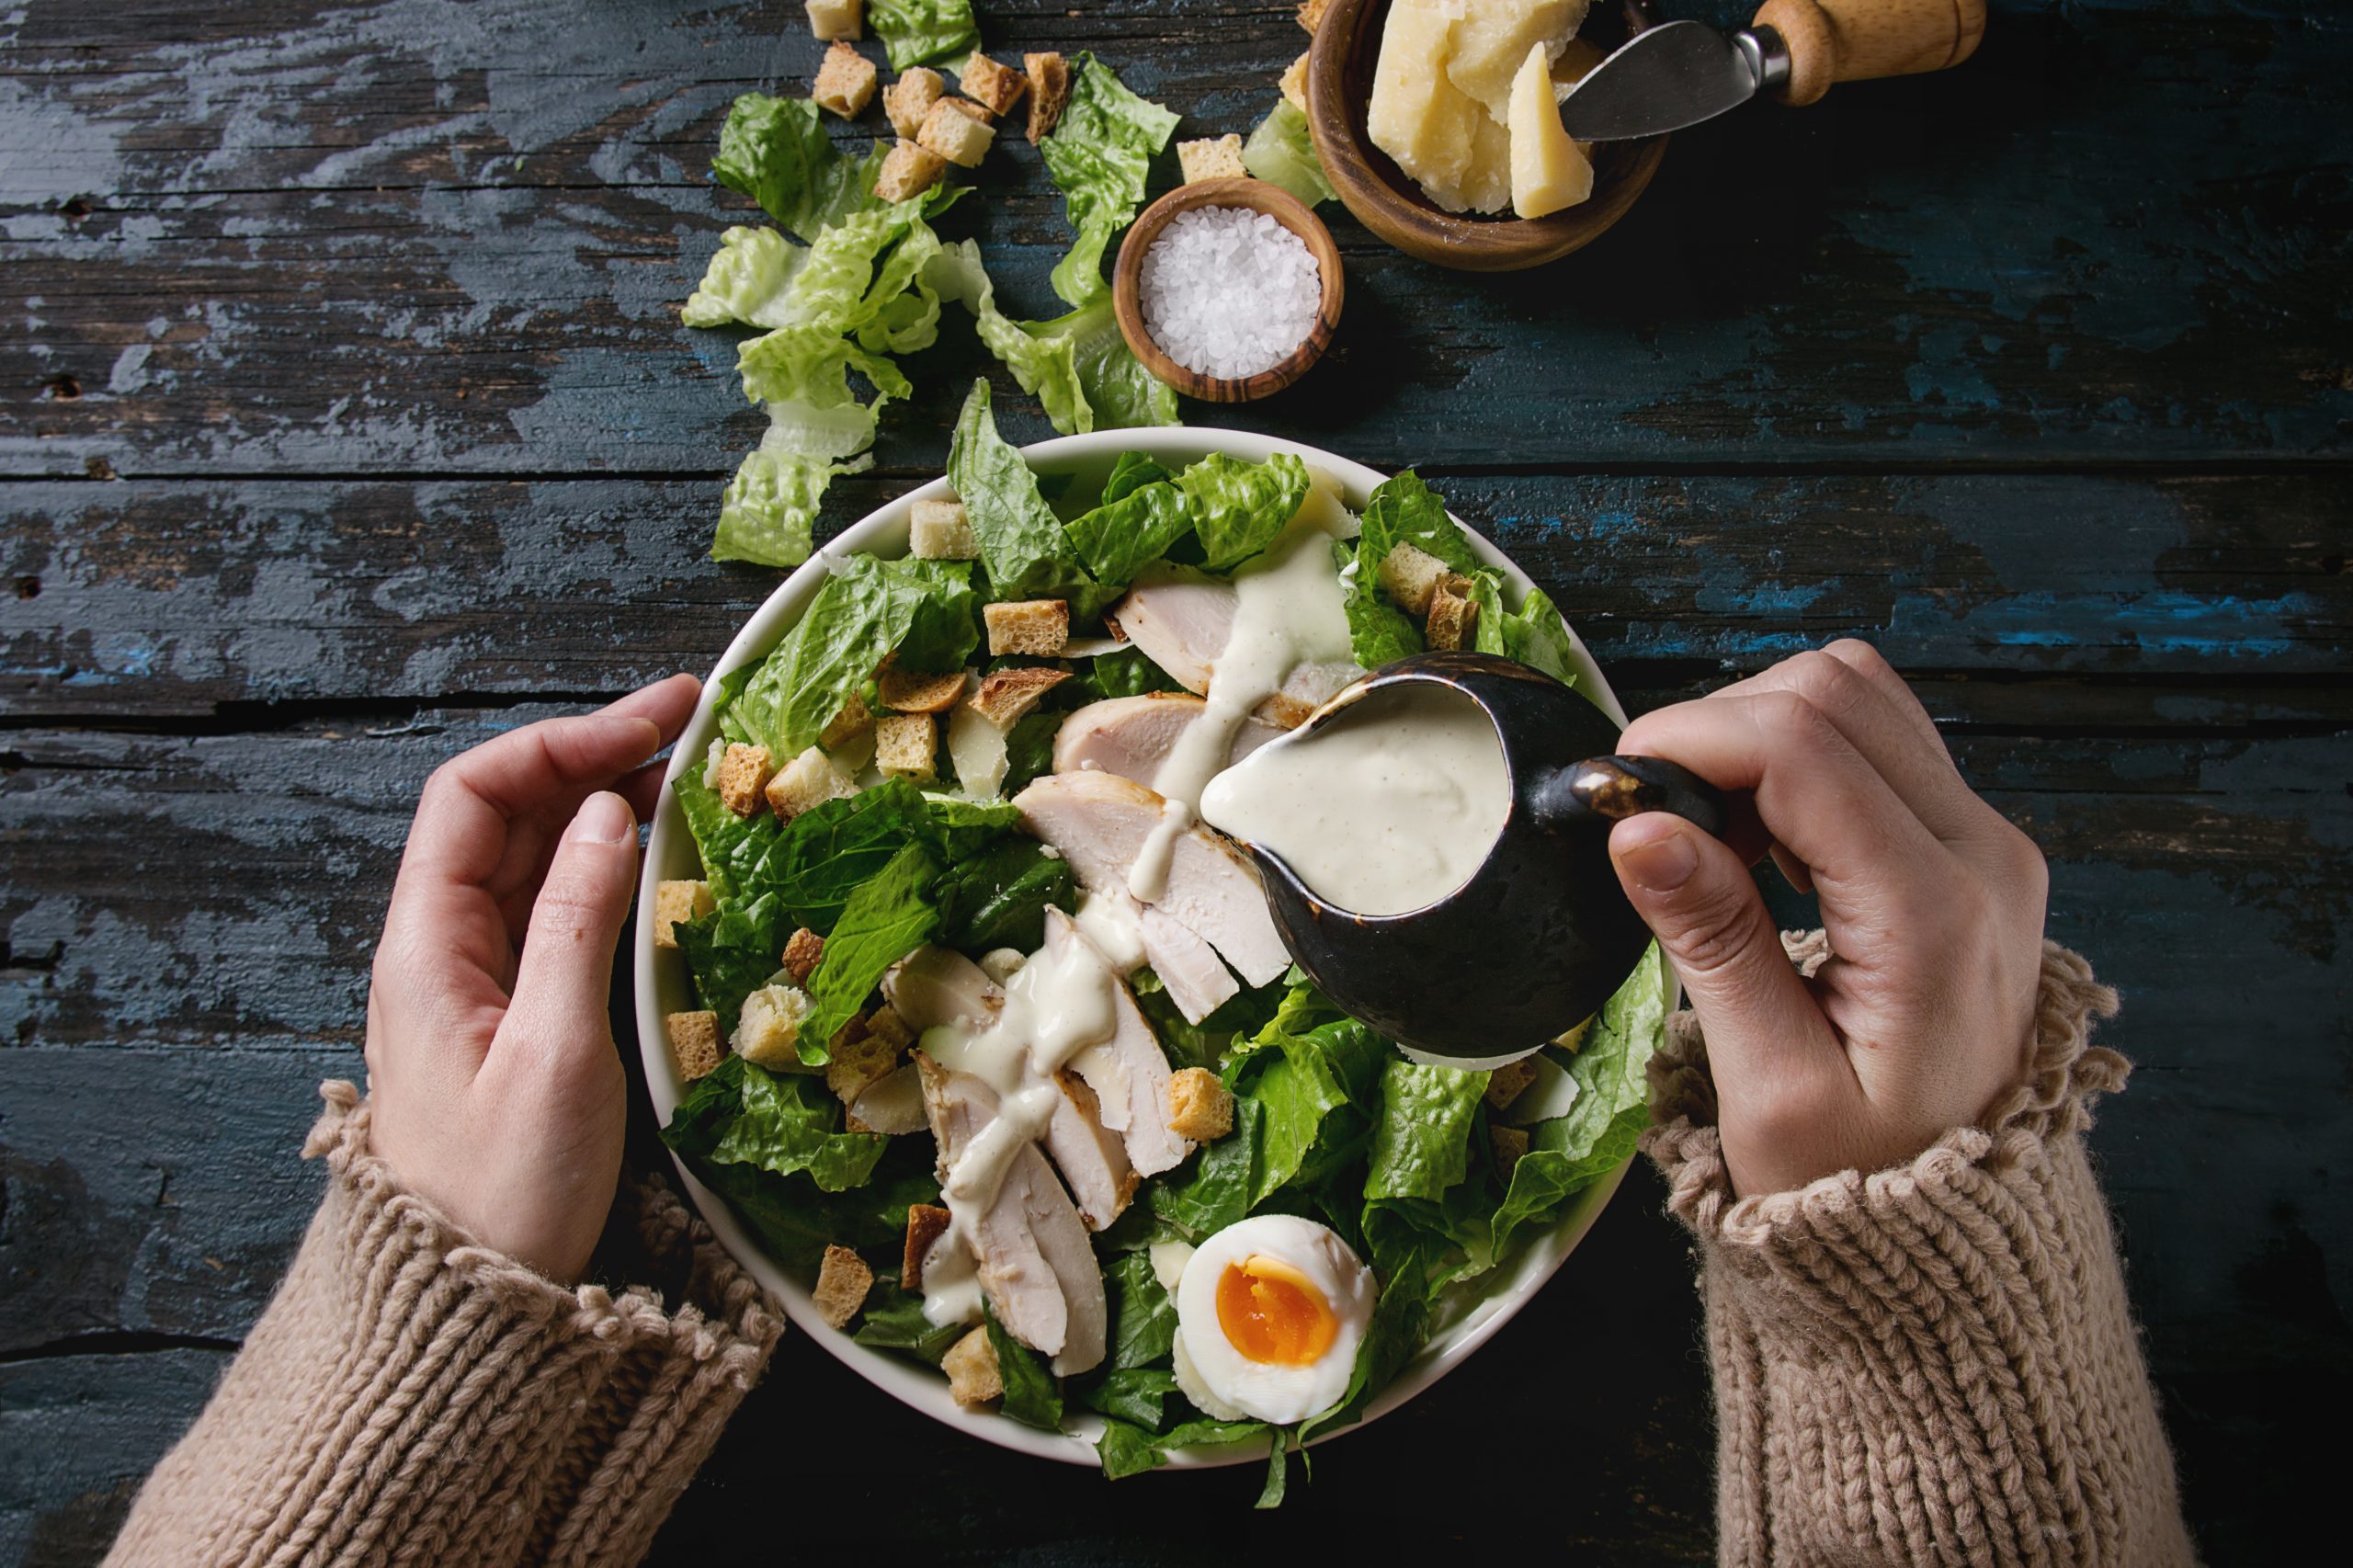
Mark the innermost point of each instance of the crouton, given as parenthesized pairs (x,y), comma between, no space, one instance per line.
(769,1030)
(1217,158)
(952,133)
(971,1366)
(1452,619)
(853,719)
(1294,84)
(1510,1144)
(1311,13)
(694,1040)
(845,82)
(1411,576)
(913,691)
(1509,1082)
(858,1064)
(939,530)
(743,773)
(1037,628)
(843,1280)
(809,779)
(996,87)
(886,1025)
(836,19)
(926,1224)
(1199,1107)
(675,904)
(907,745)
(802,952)
(909,98)
(1570,1038)
(972,111)
(1007,696)
(1049,92)
(907,172)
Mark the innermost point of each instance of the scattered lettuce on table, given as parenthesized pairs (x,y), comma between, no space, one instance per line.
(1282,153)
(916,32)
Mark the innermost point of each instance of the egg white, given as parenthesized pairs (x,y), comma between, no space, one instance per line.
(1227,1384)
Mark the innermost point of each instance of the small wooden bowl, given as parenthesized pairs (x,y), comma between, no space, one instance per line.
(1127,286)
(1386,200)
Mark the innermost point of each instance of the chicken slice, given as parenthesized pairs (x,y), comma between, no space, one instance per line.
(1131,736)
(1181,622)
(933,986)
(1198,980)
(1100,824)
(1093,1160)
(1126,1076)
(1024,1289)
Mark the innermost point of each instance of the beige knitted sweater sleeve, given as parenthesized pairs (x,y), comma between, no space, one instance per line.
(1934,1363)
(411,1397)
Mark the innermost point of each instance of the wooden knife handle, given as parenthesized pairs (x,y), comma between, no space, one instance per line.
(1854,41)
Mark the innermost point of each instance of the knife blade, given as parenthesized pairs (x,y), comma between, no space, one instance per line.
(1669,76)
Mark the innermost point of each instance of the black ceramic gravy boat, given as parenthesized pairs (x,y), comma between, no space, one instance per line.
(1542,935)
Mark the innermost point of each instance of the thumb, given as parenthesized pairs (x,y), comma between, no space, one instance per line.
(563,983)
(1764,1032)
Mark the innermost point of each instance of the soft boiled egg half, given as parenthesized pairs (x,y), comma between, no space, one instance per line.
(1270,1314)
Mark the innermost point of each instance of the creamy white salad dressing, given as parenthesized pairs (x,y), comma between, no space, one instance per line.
(1058,1003)
(1288,612)
(1389,805)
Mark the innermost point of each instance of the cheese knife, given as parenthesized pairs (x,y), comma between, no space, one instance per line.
(1679,73)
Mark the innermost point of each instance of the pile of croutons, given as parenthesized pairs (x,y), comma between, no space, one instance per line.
(934,128)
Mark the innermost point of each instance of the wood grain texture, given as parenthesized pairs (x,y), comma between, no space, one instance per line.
(383,436)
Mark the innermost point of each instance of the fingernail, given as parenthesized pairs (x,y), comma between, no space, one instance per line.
(604,819)
(1663,865)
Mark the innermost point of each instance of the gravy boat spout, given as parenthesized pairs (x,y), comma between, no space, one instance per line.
(1541,934)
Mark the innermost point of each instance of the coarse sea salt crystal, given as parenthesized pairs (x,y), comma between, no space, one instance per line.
(1229,293)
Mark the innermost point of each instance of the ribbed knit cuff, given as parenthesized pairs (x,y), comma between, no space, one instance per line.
(1934,1362)
(413,1396)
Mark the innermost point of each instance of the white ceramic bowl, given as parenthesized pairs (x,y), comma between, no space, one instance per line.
(662,985)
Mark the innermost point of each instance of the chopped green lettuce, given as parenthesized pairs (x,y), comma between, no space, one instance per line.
(1077,365)
(916,32)
(1421,1143)
(1303,1083)
(1213,1191)
(1023,545)
(1126,1448)
(1282,153)
(731,847)
(739,1113)
(999,897)
(1131,472)
(1119,539)
(746,281)
(1136,1394)
(1406,511)
(731,953)
(892,1320)
(884,920)
(825,853)
(775,152)
(1031,1396)
(1379,632)
(1239,507)
(924,611)
(1100,153)
(1124,672)
(1143,1320)
(769,513)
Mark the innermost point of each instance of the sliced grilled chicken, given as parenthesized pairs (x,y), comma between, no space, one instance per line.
(893,1104)
(1132,735)
(1126,1076)
(1197,980)
(1181,622)
(933,986)
(1093,1159)
(1099,821)
(1035,1263)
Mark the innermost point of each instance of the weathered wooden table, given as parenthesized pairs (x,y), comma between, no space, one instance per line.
(347,419)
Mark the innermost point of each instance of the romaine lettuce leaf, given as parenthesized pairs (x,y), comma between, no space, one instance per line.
(1031,1396)
(1421,1141)
(746,281)
(731,953)
(787,1124)
(1127,1449)
(1023,546)
(916,32)
(1076,365)
(883,921)
(825,853)
(1136,1394)
(1304,1081)
(1610,1069)
(794,1220)
(1239,507)
(1379,632)
(1282,153)
(1131,472)
(892,1320)
(731,847)
(1406,511)
(1214,1191)
(1535,636)
(1119,539)
(1100,154)
(769,513)
(926,611)
(1122,673)
(956,829)
(999,898)
(775,150)
(1143,1320)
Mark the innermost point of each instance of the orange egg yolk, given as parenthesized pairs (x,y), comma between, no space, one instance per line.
(1271,1312)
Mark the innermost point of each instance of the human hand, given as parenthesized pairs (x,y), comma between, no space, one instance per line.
(1932,902)
(495,1088)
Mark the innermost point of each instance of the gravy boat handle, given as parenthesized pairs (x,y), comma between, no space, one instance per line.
(1603,790)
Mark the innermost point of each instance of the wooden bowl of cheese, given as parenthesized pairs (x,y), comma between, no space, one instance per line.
(1459,147)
